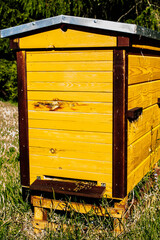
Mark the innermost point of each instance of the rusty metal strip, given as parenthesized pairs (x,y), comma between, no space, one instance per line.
(120,96)
(23,118)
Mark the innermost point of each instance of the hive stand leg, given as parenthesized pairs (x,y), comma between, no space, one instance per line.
(40,219)
(118,223)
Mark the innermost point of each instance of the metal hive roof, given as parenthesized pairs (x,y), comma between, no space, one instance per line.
(79,21)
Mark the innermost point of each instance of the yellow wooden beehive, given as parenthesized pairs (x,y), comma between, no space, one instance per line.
(88,105)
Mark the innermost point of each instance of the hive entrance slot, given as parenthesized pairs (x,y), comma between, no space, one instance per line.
(55,178)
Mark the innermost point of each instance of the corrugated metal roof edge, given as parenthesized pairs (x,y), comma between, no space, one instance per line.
(79,21)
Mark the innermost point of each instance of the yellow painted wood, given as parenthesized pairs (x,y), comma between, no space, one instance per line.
(155,156)
(149,119)
(146,165)
(138,174)
(142,148)
(138,151)
(40,171)
(143,95)
(146,47)
(66,153)
(143,68)
(71,164)
(38,213)
(68,86)
(70,121)
(70,96)
(70,91)
(78,207)
(69,56)
(76,136)
(72,66)
(71,38)
(62,106)
(63,146)
(70,77)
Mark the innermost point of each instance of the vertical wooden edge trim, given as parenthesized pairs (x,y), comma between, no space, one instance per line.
(14,43)
(120,95)
(23,118)
(123,41)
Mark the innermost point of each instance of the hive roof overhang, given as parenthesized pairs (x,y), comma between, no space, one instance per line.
(124,28)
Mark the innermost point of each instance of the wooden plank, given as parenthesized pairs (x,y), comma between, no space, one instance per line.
(149,119)
(61,151)
(75,77)
(138,151)
(142,156)
(70,121)
(138,174)
(143,95)
(142,148)
(102,167)
(62,205)
(146,47)
(146,165)
(62,106)
(70,96)
(57,38)
(77,55)
(59,146)
(68,86)
(62,173)
(120,90)
(23,118)
(70,67)
(70,125)
(143,69)
(68,188)
(77,136)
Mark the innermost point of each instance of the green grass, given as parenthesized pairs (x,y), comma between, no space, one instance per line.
(16,215)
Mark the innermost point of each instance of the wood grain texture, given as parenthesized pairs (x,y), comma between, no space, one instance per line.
(70,77)
(71,164)
(72,174)
(84,122)
(120,91)
(59,150)
(145,166)
(23,118)
(70,86)
(70,96)
(76,136)
(146,47)
(143,68)
(69,56)
(63,106)
(77,207)
(71,145)
(143,95)
(73,66)
(70,114)
(142,148)
(63,146)
(71,38)
(149,119)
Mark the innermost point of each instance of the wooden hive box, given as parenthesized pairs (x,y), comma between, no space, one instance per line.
(89,95)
